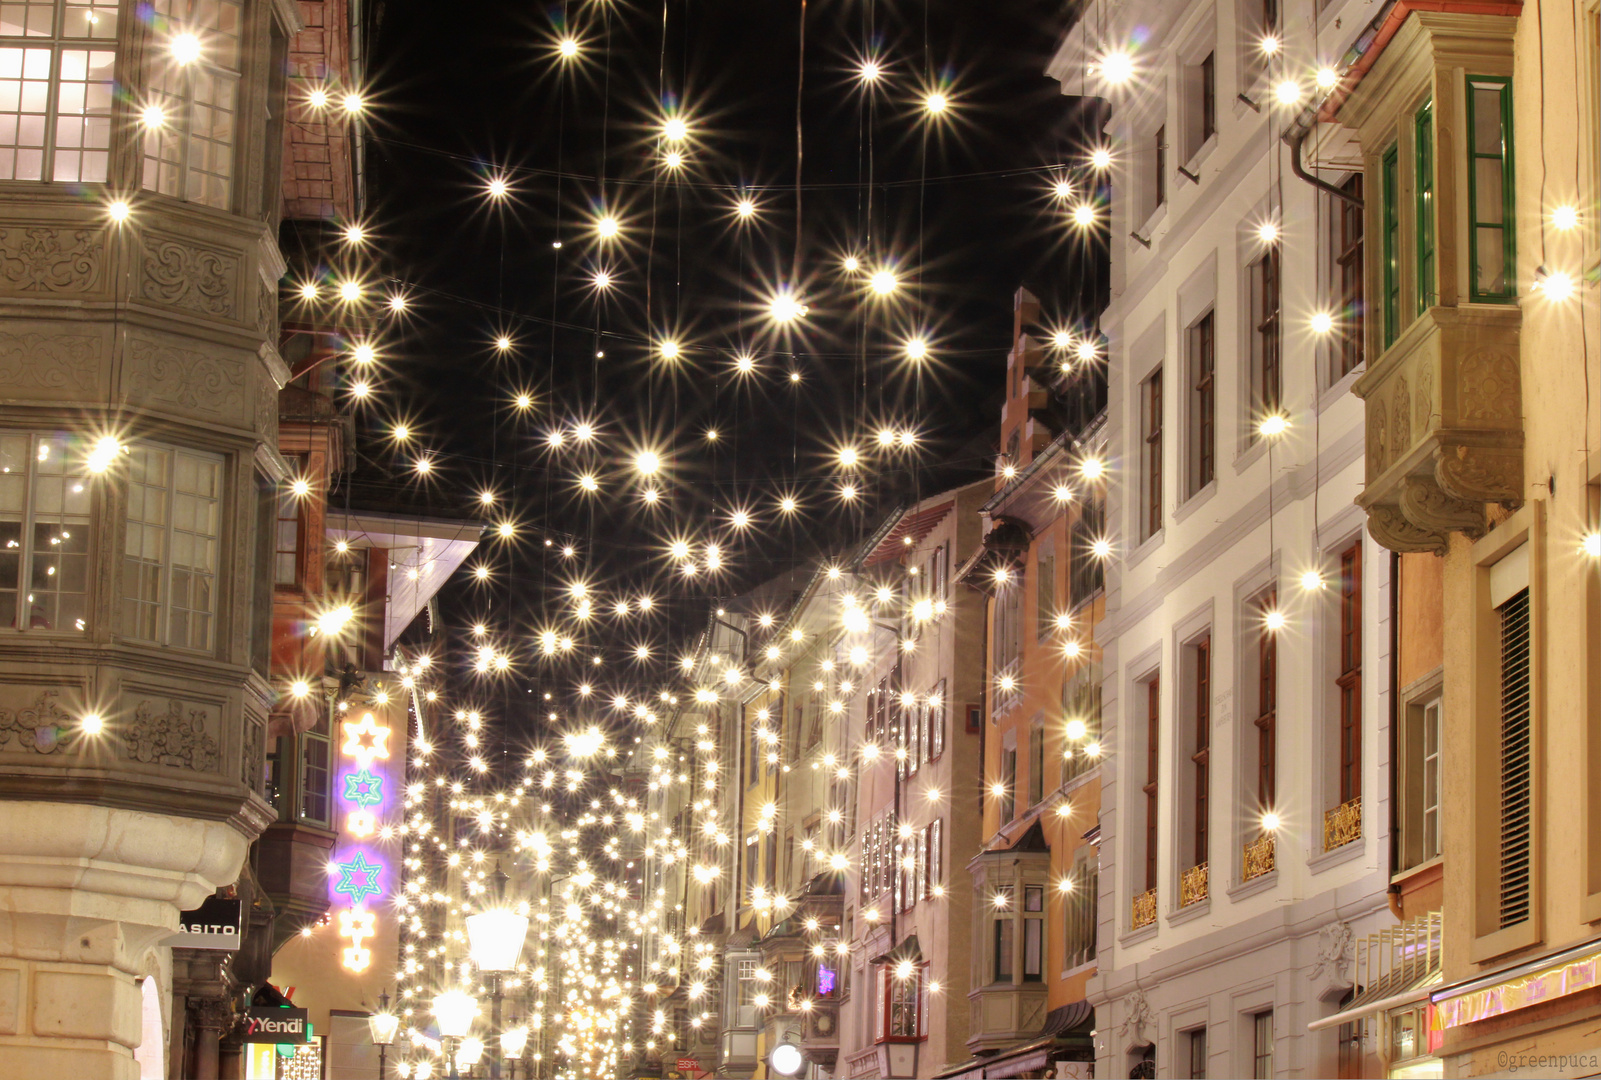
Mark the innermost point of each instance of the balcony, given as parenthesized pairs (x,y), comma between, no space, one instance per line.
(1444,409)
(1259,858)
(1143,913)
(1193,886)
(1343,824)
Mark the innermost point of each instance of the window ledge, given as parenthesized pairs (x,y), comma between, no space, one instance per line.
(1134,937)
(1342,854)
(1407,873)
(1195,501)
(1249,453)
(1590,908)
(1087,967)
(1193,911)
(1152,222)
(1340,389)
(1197,159)
(1254,886)
(1148,545)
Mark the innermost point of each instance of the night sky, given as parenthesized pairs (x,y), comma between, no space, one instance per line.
(474,89)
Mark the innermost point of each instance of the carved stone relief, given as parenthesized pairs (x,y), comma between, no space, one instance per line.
(1401,410)
(199,279)
(1424,405)
(38,728)
(38,259)
(49,361)
(176,737)
(1378,444)
(1137,1014)
(188,378)
(1393,531)
(1422,501)
(252,771)
(1488,391)
(1333,951)
(267,411)
(1481,473)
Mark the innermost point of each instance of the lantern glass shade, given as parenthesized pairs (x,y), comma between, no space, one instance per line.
(495,939)
(455,1009)
(470,1053)
(382,1026)
(513,1041)
(786,1059)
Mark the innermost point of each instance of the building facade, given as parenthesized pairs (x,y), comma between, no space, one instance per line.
(1247,643)
(1482,468)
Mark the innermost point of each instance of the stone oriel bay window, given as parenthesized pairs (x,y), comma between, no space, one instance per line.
(1443,389)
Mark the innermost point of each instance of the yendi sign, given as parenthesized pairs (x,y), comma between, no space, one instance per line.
(215,924)
(275,1025)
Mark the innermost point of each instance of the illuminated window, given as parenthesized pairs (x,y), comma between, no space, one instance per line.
(191,155)
(1490,188)
(171,549)
(44,534)
(57,66)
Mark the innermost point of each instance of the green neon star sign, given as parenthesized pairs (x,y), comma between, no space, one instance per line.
(358,878)
(363,788)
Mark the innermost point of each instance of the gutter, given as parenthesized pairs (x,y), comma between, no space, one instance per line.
(1406,997)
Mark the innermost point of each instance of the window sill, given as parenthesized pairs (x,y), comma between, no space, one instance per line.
(1342,854)
(1148,545)
(1195,501)
(1085,968)
(1186,914)
(1495,945)
(1340,389)
(1134,937)
(1153,220)
(1250,451)
(1254,886)
(1197,159)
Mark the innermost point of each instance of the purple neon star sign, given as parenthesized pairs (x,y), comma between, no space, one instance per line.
(358,878)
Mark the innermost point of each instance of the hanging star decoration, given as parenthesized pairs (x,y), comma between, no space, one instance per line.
(363,788)
(358,878)
(365,740)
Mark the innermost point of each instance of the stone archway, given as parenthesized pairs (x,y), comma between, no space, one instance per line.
(151,1053)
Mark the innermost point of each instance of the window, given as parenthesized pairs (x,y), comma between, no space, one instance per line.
(314,769)
(286,544)
(170,564)
(1080,905)
(1262,1045)
(1348,1047)
(1008,616)
(1348,271)
(1389,167)
(1151,455)
(1200,104)
(190,154)
(936,721)
(1081,708)
(1515,751)
(1490,177)
(44,533)
(1259,20)
(934,855)
(277,786)
(1195,1043)
(939,572)
(1267,696)
(1005,927)
(1153,724)
(1088,569)
(1159,159)
(1045,595)
(1033,933)
(1349,681)
(1009,782)
(1423,162)
(57,71)
(1201,355)
(747,987)
(1266,370)
(1036,763)
(900,1011)
(1201,657)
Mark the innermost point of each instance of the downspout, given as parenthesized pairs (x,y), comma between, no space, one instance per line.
(1297,141)
(1395,716)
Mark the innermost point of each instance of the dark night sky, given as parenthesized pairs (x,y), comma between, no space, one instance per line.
(473,88)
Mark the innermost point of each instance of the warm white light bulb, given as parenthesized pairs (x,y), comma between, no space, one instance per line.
(883,282)
(1565,218)
(936,103)
(607,227)
(1117,67)
(1288,92)
(1322,322)
(567,47)
(1100,158)
(185,48)
(1326,78)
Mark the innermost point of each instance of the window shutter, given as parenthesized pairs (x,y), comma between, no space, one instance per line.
(1515,718)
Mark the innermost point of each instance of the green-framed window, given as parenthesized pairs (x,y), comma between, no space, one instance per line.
(1423,130)
(1491,239)
(1391,209)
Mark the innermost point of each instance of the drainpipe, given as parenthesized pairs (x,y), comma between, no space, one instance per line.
(1395,717)
(1297,141)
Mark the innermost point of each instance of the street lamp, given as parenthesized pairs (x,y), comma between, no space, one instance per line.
(454,1010)
(382,1026)
(786,1059)
(512,1044)
(495,942)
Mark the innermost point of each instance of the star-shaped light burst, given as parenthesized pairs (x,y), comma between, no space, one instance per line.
(358,878)
(365,740)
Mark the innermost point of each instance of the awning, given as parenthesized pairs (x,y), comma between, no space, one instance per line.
(907,533)
(1065,1037)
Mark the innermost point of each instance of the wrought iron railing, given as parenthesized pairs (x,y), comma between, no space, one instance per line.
(1258,857)
(1144,909)
(1342,824)
(1192,886)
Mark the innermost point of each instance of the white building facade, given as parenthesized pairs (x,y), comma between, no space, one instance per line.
(1247,641)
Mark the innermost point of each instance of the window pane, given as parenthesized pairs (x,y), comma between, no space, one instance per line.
(1487,120)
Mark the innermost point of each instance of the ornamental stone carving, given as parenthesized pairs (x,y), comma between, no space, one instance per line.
(198,279)
(38,260)
(252,771)
(1444,414)
(39,728)
(1137,1014)
(175,738)
(187,378)
(65,362)
(1333,951)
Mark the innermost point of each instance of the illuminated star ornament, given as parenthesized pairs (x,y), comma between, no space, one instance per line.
(358,878)
(365,740)
(363,788)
